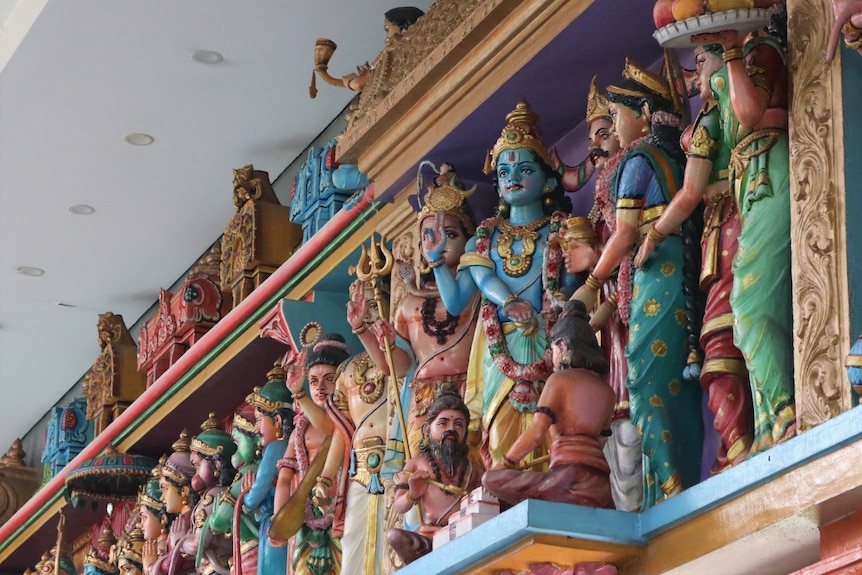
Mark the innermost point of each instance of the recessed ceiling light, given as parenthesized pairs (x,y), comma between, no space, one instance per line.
(82,209)
(139,139)
(207,57)
(31,271)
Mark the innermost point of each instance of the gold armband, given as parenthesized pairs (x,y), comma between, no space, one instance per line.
(656,235)
(732,54)
(594,283)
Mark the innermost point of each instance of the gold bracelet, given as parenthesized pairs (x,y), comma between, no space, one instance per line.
(327,482)
(361,329)
(656,235)
(732,54)
(594,283)
(299,394)
(437,264)
(509,463)
(511,299)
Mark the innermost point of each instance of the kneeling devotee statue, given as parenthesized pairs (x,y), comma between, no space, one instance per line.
(575,407)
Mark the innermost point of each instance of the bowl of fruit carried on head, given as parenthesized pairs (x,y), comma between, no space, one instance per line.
(677,21)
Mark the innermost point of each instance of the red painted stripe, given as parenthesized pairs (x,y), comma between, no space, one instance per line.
(230,322)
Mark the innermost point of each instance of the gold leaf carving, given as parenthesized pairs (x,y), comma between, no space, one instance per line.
(818,240)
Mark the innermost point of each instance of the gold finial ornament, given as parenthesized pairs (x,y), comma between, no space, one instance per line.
(653,83)
(597,103)
(521,131)
(183,444)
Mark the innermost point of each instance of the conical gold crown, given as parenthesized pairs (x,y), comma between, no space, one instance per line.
(521,131)
(597,103)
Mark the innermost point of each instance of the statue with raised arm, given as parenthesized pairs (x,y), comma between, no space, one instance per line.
(274,421)
(358,411)
(435,480)
(432,345)
(575,408)
(748,130)
(622,449)
(723,376)
(520,274)
(316,547)
(647,173)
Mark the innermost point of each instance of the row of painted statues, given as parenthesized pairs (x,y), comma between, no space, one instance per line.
(682,268)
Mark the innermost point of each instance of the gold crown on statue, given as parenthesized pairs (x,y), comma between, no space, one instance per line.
(597,103)
(99,555)
(521,131)
(446,195)
(654,83)
(243,423)
(130,546)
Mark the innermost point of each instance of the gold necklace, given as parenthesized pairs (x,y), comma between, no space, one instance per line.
(516,265)
(369,391)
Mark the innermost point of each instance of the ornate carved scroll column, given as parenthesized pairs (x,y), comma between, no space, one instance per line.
(818,217)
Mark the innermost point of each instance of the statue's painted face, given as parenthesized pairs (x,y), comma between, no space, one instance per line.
(628,124)
(456,239)
(321,382)
(520,177)
(150,524)
(706,64)
(373,313)
(447,422)
(604,143)
(245,446)
(204,472)
(171,497)
(265,427)
(126,567)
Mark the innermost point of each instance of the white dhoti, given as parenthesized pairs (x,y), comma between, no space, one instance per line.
(362,542)
(623,452)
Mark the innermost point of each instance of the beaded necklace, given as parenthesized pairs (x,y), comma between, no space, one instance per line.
(441,329)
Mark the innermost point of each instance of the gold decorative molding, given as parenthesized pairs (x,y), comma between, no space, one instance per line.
(461,63)
(818,218)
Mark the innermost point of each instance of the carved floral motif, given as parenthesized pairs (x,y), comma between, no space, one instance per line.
(817,219)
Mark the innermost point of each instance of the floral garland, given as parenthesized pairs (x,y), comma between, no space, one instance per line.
(604,186)
(301,423)
(551,268)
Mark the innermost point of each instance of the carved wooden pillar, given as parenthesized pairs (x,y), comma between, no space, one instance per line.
(818,220)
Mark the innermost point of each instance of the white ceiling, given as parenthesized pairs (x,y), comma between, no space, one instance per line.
(75,77)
